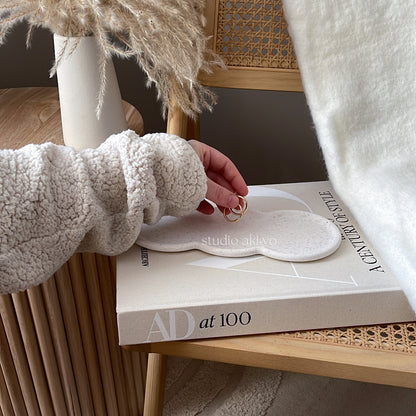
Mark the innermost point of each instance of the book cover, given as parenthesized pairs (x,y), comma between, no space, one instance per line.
(188,295)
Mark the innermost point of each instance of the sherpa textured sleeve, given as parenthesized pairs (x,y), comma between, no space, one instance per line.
(55,201)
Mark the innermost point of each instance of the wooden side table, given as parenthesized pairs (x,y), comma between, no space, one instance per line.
(59,342)
(383,354)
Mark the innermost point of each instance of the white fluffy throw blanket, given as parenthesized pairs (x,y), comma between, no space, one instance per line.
(358,65)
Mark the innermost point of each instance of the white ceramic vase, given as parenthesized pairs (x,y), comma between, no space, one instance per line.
(79,85)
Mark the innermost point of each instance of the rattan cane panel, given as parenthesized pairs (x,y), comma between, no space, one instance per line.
(392,337)
(253,33)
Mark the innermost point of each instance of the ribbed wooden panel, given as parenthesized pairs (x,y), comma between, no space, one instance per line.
(59,346)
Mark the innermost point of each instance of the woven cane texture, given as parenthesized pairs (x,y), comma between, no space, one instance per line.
(253,33)
(392,337)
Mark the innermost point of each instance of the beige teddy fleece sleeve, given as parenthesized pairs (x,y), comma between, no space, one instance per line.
(55,201)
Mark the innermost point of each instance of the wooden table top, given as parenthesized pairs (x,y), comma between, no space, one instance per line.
(32,115)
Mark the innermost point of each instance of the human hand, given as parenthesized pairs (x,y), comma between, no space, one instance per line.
(224,179)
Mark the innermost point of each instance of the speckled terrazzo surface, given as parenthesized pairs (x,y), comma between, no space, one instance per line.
(290,235)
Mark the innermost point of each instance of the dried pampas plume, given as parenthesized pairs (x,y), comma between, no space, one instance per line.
(166,37)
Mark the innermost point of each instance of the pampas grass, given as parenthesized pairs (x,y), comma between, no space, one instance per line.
(166,38)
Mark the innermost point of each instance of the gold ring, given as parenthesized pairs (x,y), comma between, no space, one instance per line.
(243,207)
(235,214)
(231,211)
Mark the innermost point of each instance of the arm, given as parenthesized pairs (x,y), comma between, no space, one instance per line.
(55,201)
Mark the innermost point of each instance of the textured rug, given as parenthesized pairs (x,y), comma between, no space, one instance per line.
(214,389)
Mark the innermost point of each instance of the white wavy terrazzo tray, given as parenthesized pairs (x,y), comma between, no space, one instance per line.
(290,235)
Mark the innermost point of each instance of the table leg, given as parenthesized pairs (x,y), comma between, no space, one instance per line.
(155,385)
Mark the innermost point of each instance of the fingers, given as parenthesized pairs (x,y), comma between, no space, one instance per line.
(223,167)
(221,196)
(220,180)
(206,208)
(224,179)
(220,168)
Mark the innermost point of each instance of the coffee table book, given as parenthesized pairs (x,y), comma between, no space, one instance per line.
(164,296)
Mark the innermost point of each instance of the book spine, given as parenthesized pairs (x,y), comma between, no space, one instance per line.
(258,317)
